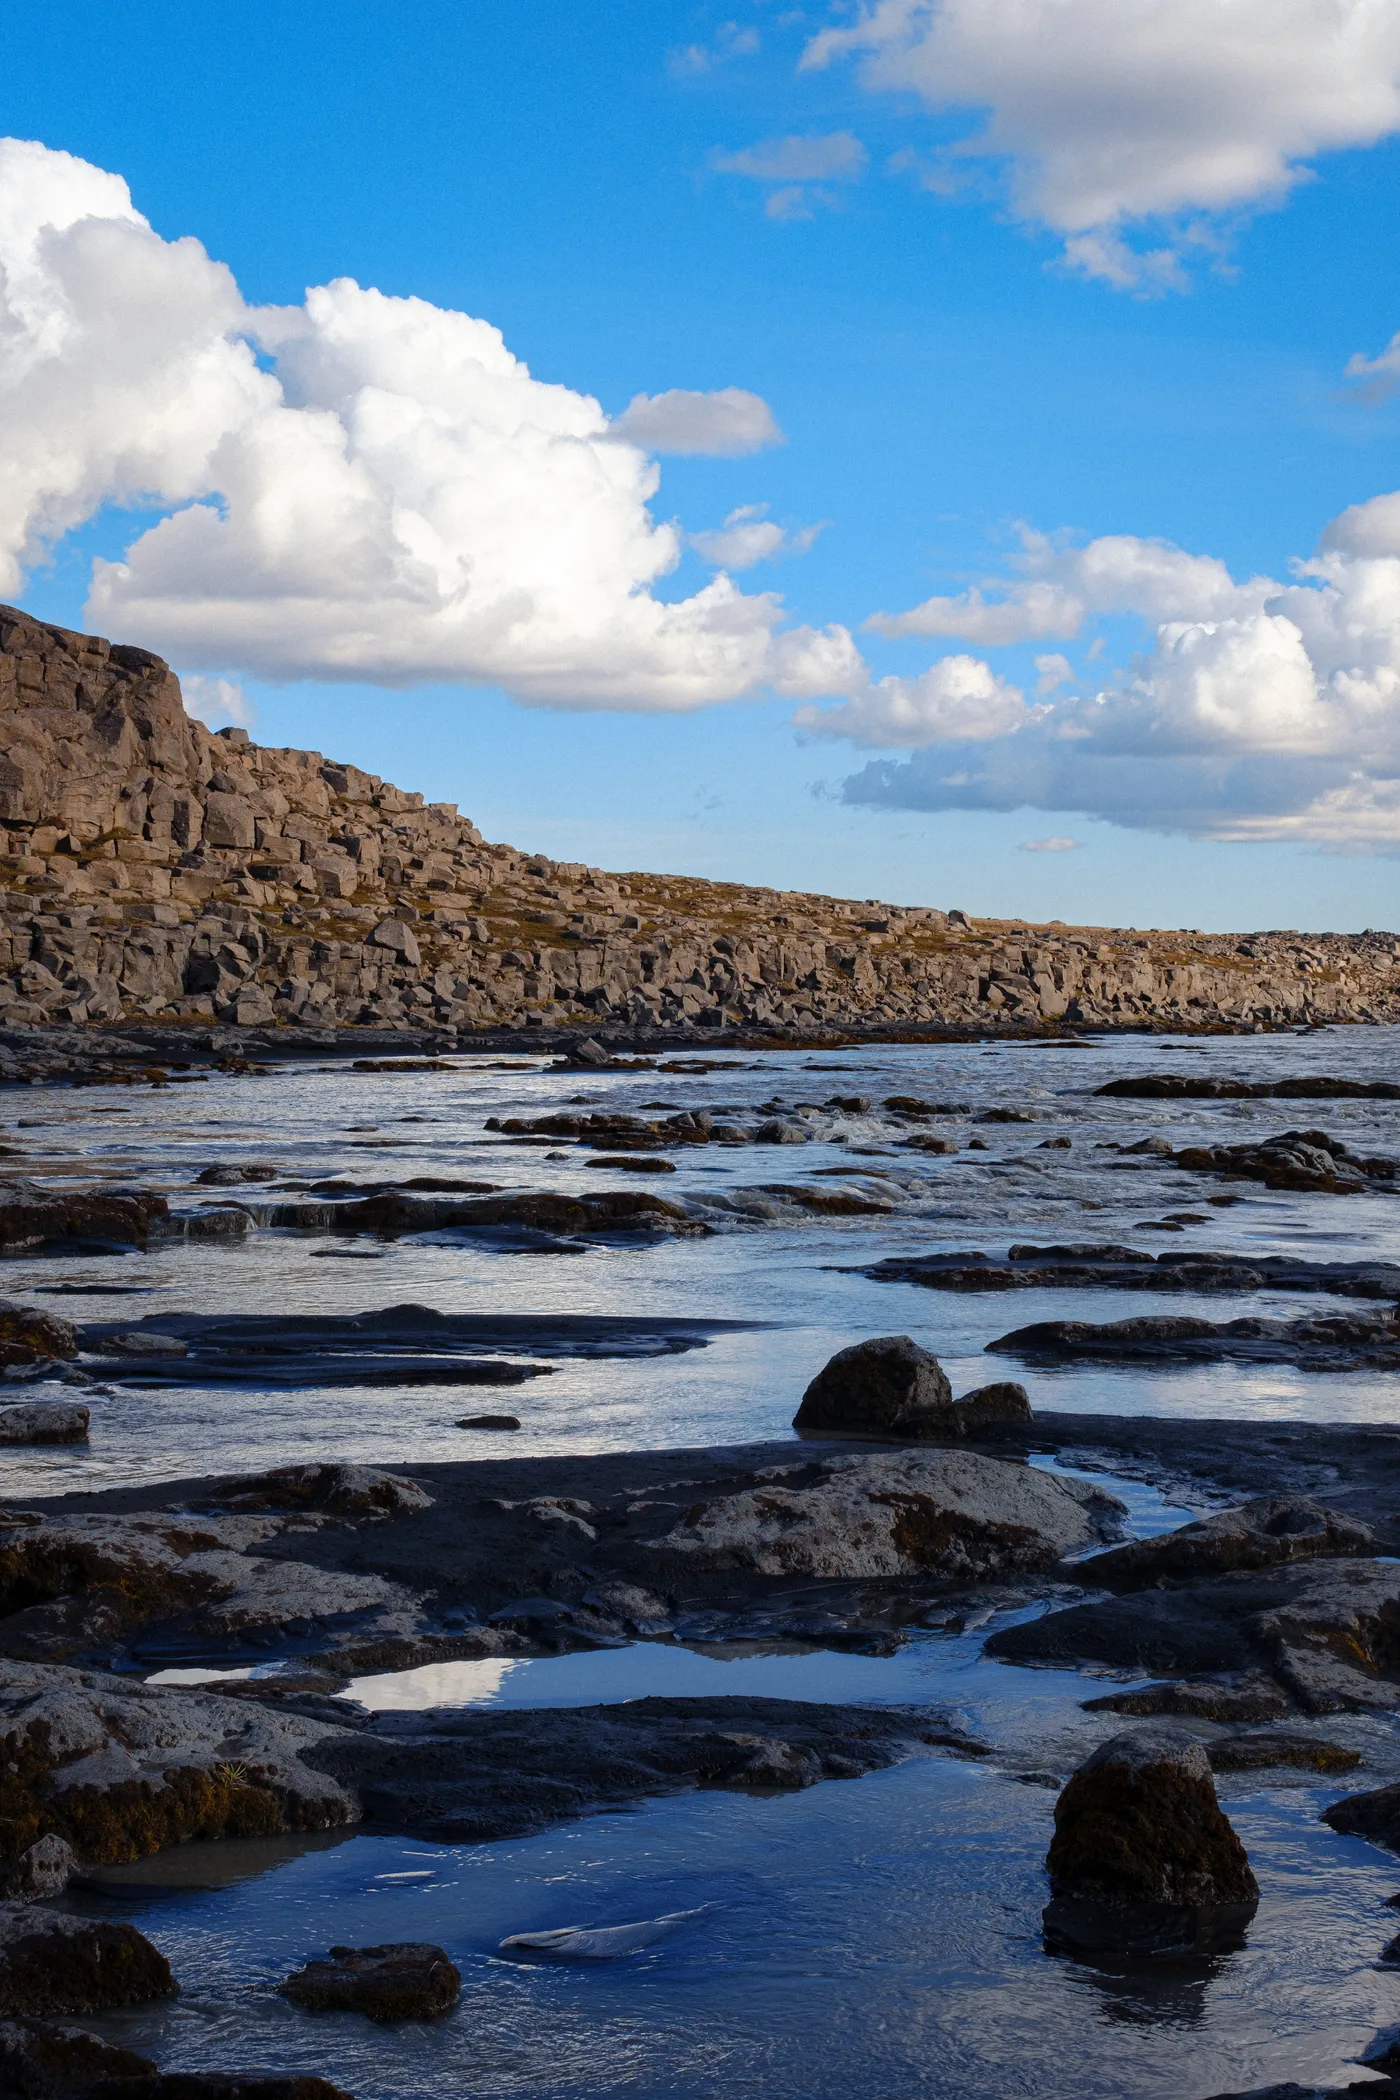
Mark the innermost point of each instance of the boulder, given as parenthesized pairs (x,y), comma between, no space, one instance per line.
(351,1494)
(116,1769)
(1374,1814)
(55,1964)
(43,1869)
(949,1513)
(1144,1862)
(991,1406)
(888,1386)
(1261,1534)
(27,1335)
(403,1980)
(43,1422)
(40,2061)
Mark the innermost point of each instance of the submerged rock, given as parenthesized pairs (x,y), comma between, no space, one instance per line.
(55,1964)
(1144,1861)
(403,1980)
(889,1385)
(599,1942)
(1264,1533)
(946,1512)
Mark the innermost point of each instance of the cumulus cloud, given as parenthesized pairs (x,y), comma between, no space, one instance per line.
(1260,710)
(725,424)
(359,487)
(1105,118)
(959,699)
(1060,586)
(748,536)
(216,702)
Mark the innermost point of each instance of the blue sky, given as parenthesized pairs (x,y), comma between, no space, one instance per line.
(1127,325)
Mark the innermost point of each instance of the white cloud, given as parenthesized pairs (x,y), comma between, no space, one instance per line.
(1106,115)
(748,536)
(836,156)
(1061,586)
(1260,710)
(217,701)
(731,41)
(1054,671)
(1049,845)
(725,424)
(397,498)
(959,699)
(1380,375)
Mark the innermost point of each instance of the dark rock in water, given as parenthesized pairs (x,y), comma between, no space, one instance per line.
(403,1980)
(1144,1861)
(223,1177)
(889,1385)
(1325,1630)
(1332,1342)
(39,2061)
(27,1335)
(1374,1815)
(1004,1401)
(457,1776)
(1261,1534)
(1251,1697)
(223,2085)
(31,1217)
(1177,1086)
(1253,1753)
(1091,1266)
(1300,1160)
(55,1964)
(41,1423)
(489,1422)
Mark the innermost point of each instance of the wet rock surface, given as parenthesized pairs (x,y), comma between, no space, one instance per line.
(1322,1342)
(1144,1862)
(1095,1265)
(1302,1161)
(464,1777)
(888,1385)
(1266,1533)
(40,2060)
(44,1422)
(50,1963)
(403,1980)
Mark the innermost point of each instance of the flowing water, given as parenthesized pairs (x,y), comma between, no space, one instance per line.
(877,1937)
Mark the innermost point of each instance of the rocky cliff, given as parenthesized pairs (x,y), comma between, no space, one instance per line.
(152,869)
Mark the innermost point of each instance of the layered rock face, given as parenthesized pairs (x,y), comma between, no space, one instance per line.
(152,869)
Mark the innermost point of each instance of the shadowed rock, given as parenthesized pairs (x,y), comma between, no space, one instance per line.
(949,1512)
(889,1385)
(55,1964)
(1144,1861)
(1263,1534)
(41,2061)
(1333,1342)
(403,1980)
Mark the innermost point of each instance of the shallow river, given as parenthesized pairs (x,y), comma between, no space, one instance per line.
(874,1937)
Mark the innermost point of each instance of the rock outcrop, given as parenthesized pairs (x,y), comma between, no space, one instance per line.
(55,1964)
(153,870)
(1144,1861)
(952,1513)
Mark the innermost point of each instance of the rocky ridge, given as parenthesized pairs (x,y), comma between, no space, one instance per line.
(152,870)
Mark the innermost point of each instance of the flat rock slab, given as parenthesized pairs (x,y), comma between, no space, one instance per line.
(1099,1266)
(1178,1086)
(1336,1342)
(397,1345)
(1323,1631)
(455,1776)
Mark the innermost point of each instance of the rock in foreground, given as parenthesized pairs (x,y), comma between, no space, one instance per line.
(1144,1861)
(55,1964)
(952,1513)
(41,1422)
(39,2061)
(889,1386)
(403,1980)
